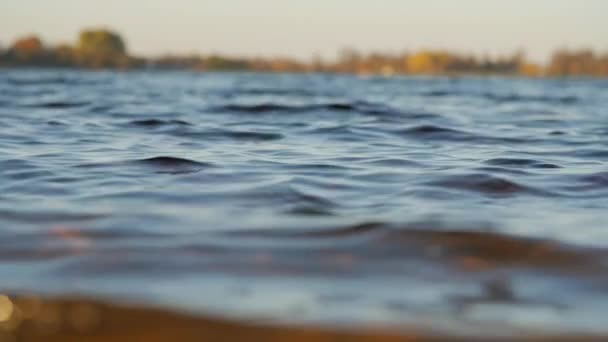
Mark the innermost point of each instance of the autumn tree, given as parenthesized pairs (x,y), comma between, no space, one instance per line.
(63,55)
(101,48)
(583,62)
(29,49)
(428,62)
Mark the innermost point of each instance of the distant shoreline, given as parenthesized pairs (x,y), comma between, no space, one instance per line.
(105,49)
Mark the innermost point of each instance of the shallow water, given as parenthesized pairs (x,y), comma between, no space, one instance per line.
(461,205)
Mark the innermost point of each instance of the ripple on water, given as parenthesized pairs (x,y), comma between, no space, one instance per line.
(44,217)
(249,135)
(432,132)
(59,80)
(444,243)
(174,165)
(288,199)
(336,107)
(59,104)
(505,98)
(595,182)
(228,135)
(531,98)
(159,164)
(15,164)
(154,123)
(486,185)
(519,162)
(56,123)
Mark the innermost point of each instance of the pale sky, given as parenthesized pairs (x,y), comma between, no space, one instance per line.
(301,28)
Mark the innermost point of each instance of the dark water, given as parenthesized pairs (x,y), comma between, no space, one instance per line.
(462,205)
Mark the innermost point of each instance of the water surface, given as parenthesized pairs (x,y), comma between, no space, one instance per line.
(461,205)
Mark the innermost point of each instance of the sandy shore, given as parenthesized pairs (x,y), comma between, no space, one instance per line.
(25,319)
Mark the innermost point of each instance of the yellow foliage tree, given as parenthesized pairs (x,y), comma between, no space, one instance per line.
(101,48)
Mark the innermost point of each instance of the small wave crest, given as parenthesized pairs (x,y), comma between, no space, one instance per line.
(176,165)
(153,123)
(59,104)
(264,108)
(518,162)
(485,184)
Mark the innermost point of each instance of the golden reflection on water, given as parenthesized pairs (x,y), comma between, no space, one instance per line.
(73,237)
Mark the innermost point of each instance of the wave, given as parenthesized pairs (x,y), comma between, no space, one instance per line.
(173,163)
(59,80)
(248,135)
(153,123)
(518,162)
(59,104)
(505,98)
(159,164)
(531,98)
(221,134)
(444,242)
(486,185)
(440,133)
(264,108)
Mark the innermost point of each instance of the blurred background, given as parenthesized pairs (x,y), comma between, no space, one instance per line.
(533,38)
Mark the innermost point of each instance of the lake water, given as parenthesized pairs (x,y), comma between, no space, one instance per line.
(463,205)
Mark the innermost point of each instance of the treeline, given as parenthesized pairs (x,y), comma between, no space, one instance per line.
(584,62)
(93,49)
(100,48)
(562,63)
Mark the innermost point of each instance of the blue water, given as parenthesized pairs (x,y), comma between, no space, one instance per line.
(457,204)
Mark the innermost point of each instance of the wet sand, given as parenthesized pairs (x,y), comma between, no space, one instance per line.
(31,319)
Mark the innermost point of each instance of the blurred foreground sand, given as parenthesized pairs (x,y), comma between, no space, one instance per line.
(25,319)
